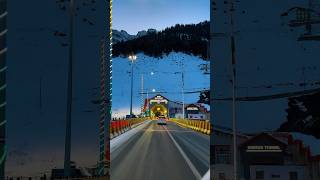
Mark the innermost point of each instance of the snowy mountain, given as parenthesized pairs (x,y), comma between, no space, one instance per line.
(141,33)
(122,35)
(190,39)
(118,36)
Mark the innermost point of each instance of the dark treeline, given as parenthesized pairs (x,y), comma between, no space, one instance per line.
(204,97)
(303,115)
(191,39)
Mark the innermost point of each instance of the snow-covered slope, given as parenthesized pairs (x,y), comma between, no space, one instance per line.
(159,74)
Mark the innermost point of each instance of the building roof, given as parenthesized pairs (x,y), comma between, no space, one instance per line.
(229,131)
(159,95)
(252,139)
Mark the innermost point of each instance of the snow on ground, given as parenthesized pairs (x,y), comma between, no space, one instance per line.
(163,75)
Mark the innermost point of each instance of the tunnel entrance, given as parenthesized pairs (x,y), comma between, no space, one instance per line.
(159,110)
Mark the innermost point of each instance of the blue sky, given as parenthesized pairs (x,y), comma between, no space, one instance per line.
(137,15)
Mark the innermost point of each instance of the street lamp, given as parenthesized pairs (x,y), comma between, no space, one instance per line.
(67,154)
(132,58)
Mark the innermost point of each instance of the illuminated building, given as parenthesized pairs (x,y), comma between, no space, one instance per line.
(161,106)
(266,155)
(197,111)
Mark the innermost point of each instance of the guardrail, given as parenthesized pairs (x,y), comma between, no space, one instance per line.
(119,127)
(202,126)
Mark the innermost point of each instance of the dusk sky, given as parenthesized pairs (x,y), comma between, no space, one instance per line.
(136,15)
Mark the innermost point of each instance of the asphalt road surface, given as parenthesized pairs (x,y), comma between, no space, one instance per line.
(162,152)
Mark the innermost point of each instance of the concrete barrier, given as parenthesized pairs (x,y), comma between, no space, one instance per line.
(119,127)
(202,126)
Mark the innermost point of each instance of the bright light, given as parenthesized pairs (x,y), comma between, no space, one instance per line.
(152,73)
(153,90)
(158,109)
(132,57)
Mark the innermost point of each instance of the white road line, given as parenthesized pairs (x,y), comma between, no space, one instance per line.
(192,167)
(206,176)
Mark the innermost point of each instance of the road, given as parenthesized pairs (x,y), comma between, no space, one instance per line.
(158,152)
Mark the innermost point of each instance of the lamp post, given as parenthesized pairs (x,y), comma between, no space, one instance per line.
(148,113)
(132,58)
(142,96)
(67,166)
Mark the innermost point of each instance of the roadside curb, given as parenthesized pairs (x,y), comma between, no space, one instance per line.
(116,142)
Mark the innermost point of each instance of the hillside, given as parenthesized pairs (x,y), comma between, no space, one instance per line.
(190,39)
(118,36)
(122,36)
(165,79)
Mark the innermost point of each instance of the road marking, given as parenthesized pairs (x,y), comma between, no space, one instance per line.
(192,167)
(207,175)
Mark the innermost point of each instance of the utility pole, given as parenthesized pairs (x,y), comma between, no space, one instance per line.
(182,88)
(183,105)
(142,96)
(67,155)
(234,122)
(148,112)
(40,95)
(182,74)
